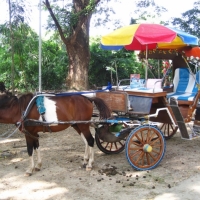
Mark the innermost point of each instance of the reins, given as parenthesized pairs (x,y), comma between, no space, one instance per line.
(23,131)
(11,134)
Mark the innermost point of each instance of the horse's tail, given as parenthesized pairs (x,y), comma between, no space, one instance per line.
(104,110)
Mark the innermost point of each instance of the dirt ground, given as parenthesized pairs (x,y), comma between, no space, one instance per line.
(63,178)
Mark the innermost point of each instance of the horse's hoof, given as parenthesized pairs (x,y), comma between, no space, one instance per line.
(88,168)
(37,169)
(84,165)
(27,174)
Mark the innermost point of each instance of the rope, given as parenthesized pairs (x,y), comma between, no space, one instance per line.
(198,85)
(11,133)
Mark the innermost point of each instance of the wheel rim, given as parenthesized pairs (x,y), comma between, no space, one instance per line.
(145,148)
(168,130)
(110,147)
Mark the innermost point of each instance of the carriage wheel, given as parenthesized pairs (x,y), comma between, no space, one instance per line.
(168,130)
(145,147)
(110,147)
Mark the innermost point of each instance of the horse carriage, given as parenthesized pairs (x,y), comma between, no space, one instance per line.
(142,118)
(153,113)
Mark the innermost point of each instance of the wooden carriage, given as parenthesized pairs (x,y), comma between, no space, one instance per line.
(170,108)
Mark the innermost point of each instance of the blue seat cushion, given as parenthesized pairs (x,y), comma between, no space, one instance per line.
(185,85)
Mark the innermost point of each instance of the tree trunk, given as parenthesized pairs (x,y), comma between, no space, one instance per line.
(77,43)
(79,58)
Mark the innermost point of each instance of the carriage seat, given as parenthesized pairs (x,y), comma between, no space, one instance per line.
(185,87)
(152,86)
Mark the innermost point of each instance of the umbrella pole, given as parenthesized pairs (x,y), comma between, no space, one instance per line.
(146,70)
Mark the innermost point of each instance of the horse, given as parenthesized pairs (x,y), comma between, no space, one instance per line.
(23,111)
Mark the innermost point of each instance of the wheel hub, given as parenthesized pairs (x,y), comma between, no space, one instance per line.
(147,148)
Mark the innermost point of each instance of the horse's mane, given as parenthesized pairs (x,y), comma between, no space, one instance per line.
(7,101)
(24,100)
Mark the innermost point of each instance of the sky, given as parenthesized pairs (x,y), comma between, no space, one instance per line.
(124,10)
(174,7)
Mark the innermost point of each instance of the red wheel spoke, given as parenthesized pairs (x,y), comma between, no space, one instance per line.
(150,154)
(162,126)
(138,138)
(135,143)
(135,154)
(142,137)
(147,138)
(157,145)
(148,159)
(151,136)
(111,146)
(135,148)
(143,159)
(154,141)
(168,129)
(155,151)
(116,146)
(121,143)
(140,156)
(106,145)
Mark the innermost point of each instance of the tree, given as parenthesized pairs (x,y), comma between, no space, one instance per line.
(73,22)
(148,11)
(190,20)
(25,59)
(16,17)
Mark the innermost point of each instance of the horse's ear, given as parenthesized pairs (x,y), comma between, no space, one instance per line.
(2,87)
(8,93)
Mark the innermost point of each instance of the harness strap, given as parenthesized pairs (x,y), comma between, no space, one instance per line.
(44,127)
(29,134)
(23,130)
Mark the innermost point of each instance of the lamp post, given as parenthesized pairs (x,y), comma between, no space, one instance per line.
(40,48)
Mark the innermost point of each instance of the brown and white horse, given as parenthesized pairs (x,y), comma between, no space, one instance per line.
(58,108)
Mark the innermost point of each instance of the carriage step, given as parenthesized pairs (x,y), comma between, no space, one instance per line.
(179,119)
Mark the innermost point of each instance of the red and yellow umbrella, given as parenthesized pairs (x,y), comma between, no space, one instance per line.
(147,36)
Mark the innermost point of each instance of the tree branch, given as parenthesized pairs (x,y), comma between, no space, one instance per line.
(81,22)
(48,6)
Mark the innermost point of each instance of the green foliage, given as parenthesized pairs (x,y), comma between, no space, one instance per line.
(54,62)
(54,66)
(154,69)
(125,61)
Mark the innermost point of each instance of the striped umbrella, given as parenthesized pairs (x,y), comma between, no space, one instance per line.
(147,36)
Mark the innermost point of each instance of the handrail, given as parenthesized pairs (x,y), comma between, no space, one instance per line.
(122,81)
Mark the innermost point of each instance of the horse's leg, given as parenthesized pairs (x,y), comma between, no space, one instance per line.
(31,144)
(29,171)
(86,155)
(39,160)
(91,154)
(88,139)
